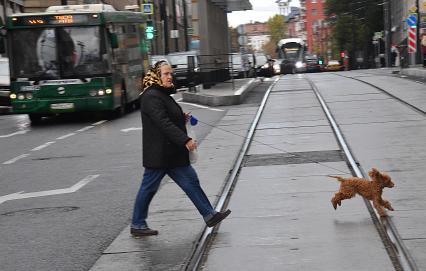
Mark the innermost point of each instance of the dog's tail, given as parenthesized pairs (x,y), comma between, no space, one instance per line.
(339,178)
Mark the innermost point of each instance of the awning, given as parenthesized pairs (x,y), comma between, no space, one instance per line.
(233,5)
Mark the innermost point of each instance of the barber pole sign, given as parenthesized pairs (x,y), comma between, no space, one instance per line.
(412,40)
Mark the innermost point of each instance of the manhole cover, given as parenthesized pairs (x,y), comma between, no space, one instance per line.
(293,158)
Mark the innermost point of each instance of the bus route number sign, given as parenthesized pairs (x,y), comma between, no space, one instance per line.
(55,19)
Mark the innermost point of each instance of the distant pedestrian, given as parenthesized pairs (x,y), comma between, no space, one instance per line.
(166,147)
(424,49)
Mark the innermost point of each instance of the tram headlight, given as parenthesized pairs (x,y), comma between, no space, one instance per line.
(101,92)
(300,64)
(21,96)
(108,91)
(92,93)
(13,96)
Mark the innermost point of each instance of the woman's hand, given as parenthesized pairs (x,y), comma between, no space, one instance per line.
(187,116)
(191,145)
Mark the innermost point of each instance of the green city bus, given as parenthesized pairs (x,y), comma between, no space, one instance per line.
(75,58)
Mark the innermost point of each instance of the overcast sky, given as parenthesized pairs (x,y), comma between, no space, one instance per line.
(262,11)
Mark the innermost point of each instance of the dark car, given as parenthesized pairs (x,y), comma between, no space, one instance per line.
(312,64)
(264,65)
(183,75)
(4,82)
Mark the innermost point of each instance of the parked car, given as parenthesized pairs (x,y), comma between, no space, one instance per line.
(155,58)
(264,65)
(241,65)
(312,63)
(183,76)
(334,65)
(4,82)
(277,65)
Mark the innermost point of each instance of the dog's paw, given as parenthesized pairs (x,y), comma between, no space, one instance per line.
(334,203)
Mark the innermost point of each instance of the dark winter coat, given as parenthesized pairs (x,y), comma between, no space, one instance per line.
(163,130)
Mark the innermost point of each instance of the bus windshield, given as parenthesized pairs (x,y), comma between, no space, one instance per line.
(55,53)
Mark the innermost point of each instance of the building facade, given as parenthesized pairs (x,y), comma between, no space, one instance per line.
(8,7)
(258,35)
(317,29)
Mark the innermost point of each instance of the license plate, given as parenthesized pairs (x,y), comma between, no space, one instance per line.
(62,106)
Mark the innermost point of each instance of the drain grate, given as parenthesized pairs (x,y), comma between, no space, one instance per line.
(293,158)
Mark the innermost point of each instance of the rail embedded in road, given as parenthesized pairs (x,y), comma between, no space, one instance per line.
(394,245)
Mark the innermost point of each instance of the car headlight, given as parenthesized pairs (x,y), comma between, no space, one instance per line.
(265,66)
(299,64)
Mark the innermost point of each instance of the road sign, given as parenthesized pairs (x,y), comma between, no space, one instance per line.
(147,9)
(412,40)
(242,40)
(411,20)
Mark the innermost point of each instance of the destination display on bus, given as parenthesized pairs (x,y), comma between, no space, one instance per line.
(55,19)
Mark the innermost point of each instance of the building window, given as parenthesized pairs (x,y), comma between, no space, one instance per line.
(314,12)
(313,1)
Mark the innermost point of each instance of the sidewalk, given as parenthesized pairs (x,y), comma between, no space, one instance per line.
(415,71)
(226,93)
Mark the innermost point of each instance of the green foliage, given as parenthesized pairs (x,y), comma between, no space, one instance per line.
(354,24)
(277,28)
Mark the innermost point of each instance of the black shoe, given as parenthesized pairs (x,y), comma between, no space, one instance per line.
(217,218)
(142,232)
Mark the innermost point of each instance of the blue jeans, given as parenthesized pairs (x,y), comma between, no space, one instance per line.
(185,177)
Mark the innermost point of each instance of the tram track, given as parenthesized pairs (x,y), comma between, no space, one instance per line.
(206,236)
(391,239)
(415,108)
(393,243)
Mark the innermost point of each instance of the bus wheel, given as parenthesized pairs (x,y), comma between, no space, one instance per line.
(35,118)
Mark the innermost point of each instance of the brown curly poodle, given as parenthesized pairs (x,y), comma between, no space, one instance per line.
(371,190)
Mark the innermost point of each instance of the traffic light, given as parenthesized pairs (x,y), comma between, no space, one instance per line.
(320,61)
(149,30)
(342,54)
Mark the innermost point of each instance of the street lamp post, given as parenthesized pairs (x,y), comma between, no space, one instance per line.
(388,32)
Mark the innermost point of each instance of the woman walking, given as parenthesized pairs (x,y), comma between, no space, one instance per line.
(166,147)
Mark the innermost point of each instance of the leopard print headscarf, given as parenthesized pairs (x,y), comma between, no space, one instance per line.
(153,77)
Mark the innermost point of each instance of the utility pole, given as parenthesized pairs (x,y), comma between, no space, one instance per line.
(388,32)
(175,25)
(419,53)
(165,26)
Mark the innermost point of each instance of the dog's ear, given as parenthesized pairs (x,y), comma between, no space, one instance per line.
(372,172)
